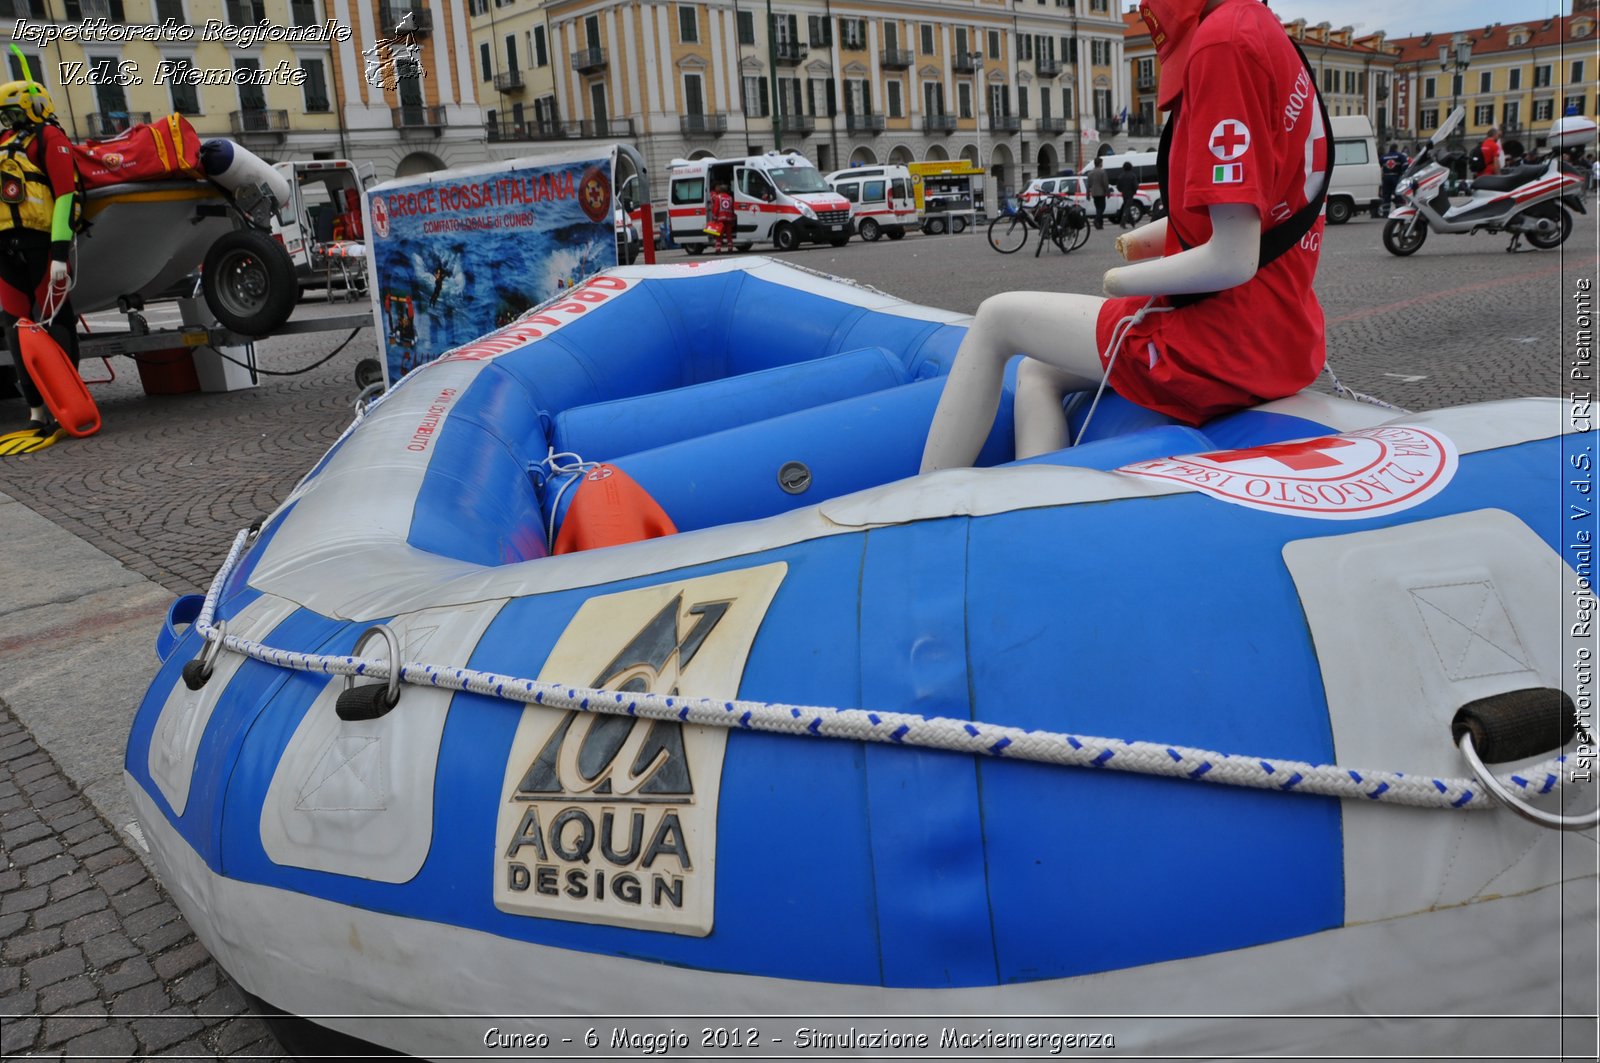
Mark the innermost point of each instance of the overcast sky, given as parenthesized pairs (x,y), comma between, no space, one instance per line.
(1420,16)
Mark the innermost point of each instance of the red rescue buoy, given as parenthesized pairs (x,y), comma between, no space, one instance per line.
(58,381)
(610,508)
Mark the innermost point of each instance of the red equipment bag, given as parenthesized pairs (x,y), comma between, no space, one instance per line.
(151,151)
(57,379)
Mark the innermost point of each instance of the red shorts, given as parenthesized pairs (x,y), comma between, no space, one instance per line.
(1168,361)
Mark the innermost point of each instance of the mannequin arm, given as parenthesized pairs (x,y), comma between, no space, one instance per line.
(1143,242)
(1226,260)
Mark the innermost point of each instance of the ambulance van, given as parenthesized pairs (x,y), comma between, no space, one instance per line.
(882,200)
(776,197)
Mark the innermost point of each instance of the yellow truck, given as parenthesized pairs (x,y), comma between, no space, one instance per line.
(949,194)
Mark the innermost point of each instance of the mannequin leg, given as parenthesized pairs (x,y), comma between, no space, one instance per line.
(1058,330)
(1041,424)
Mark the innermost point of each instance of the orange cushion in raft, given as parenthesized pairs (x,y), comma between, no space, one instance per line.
(610,508)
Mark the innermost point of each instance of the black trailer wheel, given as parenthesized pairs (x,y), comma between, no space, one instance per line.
(249,282)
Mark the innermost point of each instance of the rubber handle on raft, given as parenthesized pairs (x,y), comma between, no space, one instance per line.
(1517,724)
(367,702)
(181,613)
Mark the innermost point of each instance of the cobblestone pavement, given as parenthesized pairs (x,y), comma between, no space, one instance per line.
(98,962)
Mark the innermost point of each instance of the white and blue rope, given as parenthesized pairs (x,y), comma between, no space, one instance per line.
(907,729)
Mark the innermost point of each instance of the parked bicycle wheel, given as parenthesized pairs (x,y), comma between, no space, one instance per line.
(1009,232)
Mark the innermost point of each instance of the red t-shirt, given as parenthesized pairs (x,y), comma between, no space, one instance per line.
(1249,132)
(1491,156)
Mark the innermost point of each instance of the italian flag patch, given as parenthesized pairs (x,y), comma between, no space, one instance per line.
(1227,173)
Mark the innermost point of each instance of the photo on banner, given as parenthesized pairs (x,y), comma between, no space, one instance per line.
(457,254)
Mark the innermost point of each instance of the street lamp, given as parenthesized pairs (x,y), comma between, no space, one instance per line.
(1455,64)
(976,60)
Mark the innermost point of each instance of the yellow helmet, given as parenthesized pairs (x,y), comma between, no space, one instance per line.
(30,97)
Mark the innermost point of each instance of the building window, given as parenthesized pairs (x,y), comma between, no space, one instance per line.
(932,98)
(755,97)
(35,66)
(927,39)
(1514,79)
(479,7)
(1024,47)
(853,33)
(1100,52)
(239,12)
(694,98)
(1577,73)
(544,113)
(316,87)
(857,97)
(819,30)
(1428,88)
(893,95)
(251,97)
(789,96)
(1102,106)
(688,25)
(1066,103)
(994,44)
(1483,114)
(303,12)
(485,61)
(1573,104)
(1349,82)
(1485,79)
(747,27)
(511,54)
(964,100)
(1510,115)
(1541,76)
(538,47)
(1022,101)
(1428,118)
(185,97)
(1100,7)
(961,42)
(821,97)
(1543,110)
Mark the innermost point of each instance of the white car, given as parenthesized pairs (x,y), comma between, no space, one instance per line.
(1075,188)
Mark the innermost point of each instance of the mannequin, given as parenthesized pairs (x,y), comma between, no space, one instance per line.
(1070,339)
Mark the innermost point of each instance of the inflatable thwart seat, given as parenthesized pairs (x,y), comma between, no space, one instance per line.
(829,748)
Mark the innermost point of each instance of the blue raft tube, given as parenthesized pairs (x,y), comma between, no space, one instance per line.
(1161,727)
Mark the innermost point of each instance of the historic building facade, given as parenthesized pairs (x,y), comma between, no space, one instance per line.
(1010,85)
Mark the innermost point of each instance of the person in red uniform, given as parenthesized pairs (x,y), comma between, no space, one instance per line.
(38,188)
(1216,311)
(1492,154)
(722,216)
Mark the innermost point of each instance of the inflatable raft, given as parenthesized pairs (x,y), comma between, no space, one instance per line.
(1164,724)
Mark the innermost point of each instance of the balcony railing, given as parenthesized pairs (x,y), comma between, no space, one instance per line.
(702,125)
(550,130)
(938,123)
(963,64)
(1139,127)
(259,121)
(391,15)
(587,59)
(790,52)
(1145,82)
(799,123)
(1052,125)
(94,8)
(110,123)
(508,81)
(419,116)
(1047,66)
(1004,123)
(896,58)
(864,123)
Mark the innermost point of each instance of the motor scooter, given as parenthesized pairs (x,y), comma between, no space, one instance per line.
(1535,200)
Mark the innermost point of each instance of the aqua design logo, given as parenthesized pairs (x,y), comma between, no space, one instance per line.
(1367,473)
(612,819)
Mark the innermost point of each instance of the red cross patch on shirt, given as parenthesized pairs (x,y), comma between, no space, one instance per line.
(1230,139)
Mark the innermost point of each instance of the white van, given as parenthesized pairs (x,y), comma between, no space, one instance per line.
(776,197)
(321,227)
(882,200)
(1357,174)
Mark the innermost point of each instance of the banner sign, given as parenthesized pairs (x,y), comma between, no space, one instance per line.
(458,253)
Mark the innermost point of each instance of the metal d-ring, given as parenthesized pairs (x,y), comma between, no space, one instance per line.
(392,696)
(1517,804)
(197,671)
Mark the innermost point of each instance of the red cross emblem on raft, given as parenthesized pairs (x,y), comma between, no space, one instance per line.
(1367,473)
(1229,139)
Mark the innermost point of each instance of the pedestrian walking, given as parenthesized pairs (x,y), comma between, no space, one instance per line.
(1128,189)
(1394,162)
(1099,186)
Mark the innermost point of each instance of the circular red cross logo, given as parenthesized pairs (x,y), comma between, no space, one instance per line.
(1343,477)
(1229,140)
(380,217)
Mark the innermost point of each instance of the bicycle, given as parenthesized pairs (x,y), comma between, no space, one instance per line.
(1056,218)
